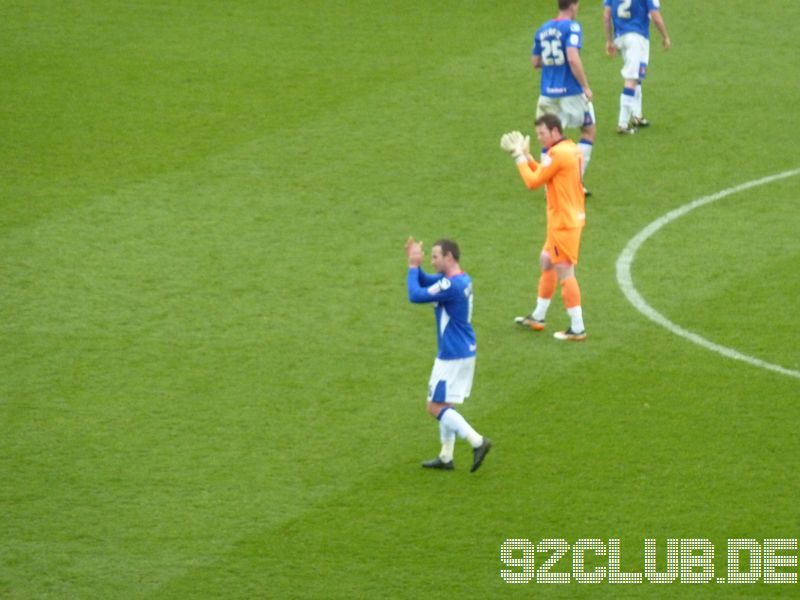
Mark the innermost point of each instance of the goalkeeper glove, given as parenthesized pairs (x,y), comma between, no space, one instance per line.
(516,145)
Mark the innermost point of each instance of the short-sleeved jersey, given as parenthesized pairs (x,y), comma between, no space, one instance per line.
(550,43)
(561,177)
(631,16)
(452,300)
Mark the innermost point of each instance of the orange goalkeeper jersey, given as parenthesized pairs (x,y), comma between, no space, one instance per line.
(562,181)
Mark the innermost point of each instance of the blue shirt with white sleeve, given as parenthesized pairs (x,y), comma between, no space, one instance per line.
(452,300)
(631,16)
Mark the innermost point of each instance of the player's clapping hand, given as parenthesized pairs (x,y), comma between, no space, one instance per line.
(516,144)
(510,140)
(526,147)
(414,252)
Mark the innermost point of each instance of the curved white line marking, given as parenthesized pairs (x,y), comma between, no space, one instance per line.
(625,280)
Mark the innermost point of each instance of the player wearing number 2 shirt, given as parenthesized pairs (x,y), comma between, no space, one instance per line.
(627,27)
(565,90)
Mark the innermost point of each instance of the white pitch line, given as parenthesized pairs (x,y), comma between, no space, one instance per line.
(625,280)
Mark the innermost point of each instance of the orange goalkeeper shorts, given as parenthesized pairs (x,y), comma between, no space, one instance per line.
(563,244)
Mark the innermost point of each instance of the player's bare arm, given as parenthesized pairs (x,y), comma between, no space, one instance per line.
(608,26)
(576,66)
(658,21)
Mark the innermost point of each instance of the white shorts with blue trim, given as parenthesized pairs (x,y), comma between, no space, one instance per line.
(635,51)
(573,111)
(451,380)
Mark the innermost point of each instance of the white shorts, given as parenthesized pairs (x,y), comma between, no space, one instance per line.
(573,111)
(451,380)
(635,52)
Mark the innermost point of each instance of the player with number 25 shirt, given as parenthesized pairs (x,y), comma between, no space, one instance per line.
(565,90)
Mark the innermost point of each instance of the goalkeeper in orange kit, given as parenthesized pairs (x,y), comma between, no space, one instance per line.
(560,173)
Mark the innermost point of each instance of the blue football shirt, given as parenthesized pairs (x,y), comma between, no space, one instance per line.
(452,298)
(631,16)
(550,43)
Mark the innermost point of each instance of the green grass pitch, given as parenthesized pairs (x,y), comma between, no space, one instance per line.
(212,383)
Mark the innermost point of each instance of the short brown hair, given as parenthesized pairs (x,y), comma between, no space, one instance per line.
(449,247)
(550,121)
(565,4)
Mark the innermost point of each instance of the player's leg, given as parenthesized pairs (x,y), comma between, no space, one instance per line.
(585,145)
(627,106)
(638,118)
(568,243)
(644,57)
(437,402)
(577,112)
(571,294)
(588,128)
(455,421)
(629,49)
(453,386)
(480,444)
(447,436)
(546,287)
